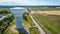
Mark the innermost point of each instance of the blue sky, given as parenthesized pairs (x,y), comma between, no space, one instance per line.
(29,2)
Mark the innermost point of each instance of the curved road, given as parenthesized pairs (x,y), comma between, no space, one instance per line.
(40,29)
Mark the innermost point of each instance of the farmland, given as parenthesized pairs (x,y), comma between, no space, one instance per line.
(51,22)
(49,18)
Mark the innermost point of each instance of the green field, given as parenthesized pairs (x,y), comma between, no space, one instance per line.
(27,20)
(2,9)
(51,22)
(34,30)
(45,9)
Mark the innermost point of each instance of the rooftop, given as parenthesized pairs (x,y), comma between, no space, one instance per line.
(2,17)
(18,8)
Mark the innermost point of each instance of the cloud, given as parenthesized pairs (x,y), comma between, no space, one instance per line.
(29,2)
(2,0)
(14,1)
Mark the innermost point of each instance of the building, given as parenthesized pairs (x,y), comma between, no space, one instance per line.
(18,12)
(2,16)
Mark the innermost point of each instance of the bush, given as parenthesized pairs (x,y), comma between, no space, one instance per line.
(1,22)
(5,22)
(4,12)
(25,16)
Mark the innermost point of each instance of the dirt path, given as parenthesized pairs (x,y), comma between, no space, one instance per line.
(46,12)
(13,29)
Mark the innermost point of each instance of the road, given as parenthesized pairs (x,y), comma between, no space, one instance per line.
(40,29)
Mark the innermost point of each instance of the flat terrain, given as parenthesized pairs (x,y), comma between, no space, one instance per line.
(49,19)
(37,25)
(46,12)
(51,22)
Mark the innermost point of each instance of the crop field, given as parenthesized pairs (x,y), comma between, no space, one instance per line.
(46,9)
(34,30)
(4,9)
(51,22)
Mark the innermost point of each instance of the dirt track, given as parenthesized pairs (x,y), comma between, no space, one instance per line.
(46,12)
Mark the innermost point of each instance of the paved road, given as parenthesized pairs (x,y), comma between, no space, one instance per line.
(26,28)
(40,29)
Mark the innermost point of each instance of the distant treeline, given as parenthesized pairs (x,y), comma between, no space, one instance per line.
(27,6)
(45,9)
(4,12)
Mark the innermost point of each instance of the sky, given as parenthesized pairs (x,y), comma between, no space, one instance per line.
(29,2)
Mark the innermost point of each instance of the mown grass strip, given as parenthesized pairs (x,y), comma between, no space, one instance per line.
(51,22)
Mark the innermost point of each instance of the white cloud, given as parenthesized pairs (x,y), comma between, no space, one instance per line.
(27,2)
(14,1)
(2,0)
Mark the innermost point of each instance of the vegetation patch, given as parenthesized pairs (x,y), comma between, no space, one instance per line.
(34,30)
(45,9)
(11,29)
(27,20)
(5,22)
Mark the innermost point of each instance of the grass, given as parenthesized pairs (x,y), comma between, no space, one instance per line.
(27,21)
(34,30)
(51,22)
(46,9)
(9,31)
(4,9)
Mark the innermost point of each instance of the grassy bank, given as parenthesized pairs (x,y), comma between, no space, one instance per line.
(51,22)
(11,29)
(27,20)
(34,30)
